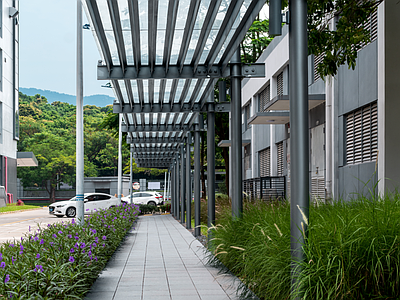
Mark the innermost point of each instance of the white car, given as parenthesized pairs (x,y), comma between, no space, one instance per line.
(92,202)
(149,198)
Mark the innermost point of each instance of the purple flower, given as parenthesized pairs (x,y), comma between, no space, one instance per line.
(73,221)
(29,228)
(49,225)
(2,265)
(12,259)
(72,250)
(71,259)
(7,279)
(21,247)
(77,237)
(89,253)
(83,245)
(104,237)
(69,236)
(83,251)
(36,239)
(87,209)
(95,258)
(54,235)
(41,242)
(94,231)
(38,256)
(51,243)
(21,252)
(104,245)
(94,244)
(39,268)
(96,239)
(12,245)
(76,246)
(60,232)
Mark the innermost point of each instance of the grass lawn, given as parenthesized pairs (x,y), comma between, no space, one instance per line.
(14,207)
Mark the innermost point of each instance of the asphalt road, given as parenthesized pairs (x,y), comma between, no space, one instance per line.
(13,226)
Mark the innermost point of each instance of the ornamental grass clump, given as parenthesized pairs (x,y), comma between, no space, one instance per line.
(61,261)
(352,250)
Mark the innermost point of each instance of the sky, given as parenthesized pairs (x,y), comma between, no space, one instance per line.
(47,52)
(48,48)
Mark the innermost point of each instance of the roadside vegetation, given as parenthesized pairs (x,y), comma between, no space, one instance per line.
(61,261)
(352,249)
(15,207)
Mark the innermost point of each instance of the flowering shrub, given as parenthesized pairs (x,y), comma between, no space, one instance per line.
(61,261)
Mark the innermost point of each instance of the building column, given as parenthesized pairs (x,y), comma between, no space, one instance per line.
(183,183)
(211,163)
(197,206)
(188,183)
(299,135)
(236,146)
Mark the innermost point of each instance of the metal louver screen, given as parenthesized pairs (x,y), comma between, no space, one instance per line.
(317,60)
(264,98)
(318,188)
(362,134)
(371,26)
(264,156)
(279,85)
(280,158)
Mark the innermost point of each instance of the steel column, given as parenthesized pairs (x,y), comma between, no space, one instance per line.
(299,136)
(130,177)
(119,192)
(188,183)
(183,184)
(236,108)
(197,181)
(177,190)
(211,163)
(79,121)
(172,187)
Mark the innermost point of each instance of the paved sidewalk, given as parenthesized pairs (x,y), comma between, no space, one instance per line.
(161,260)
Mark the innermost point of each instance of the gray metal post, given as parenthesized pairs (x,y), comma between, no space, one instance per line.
(119,192)
(188,183)
(183,183)
(299,135)
(197,231)
(211,163)
(172,186)
(80,180)
(236,146)
(130,177)
(177,190)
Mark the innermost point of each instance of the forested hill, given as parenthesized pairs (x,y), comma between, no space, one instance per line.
(51,96)
(49,131)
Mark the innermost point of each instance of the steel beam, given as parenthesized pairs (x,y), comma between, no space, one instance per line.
(155,128)
(158,108)
(188,183)
(299,138)
(236,103)
(156,140)
(197,231)
(211,163)
(183,184)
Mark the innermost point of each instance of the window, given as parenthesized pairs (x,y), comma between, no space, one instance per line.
(280,158)
(372,27)
(247,157)
(246,113)
(102,197)
(279,84)
(264,97)
(265,162)
(362,134)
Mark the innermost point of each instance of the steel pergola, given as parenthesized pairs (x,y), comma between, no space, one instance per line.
(163,59)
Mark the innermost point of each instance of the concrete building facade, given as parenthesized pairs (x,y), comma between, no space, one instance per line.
(352,117)
(9,115)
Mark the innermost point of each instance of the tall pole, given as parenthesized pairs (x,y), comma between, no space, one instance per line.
(197,180)
(80,180)
(299,135)
(177,191)
(183,184)
(188,183)
(130,177)
(119,158)
(211,162)
(165,184)
(172,186)
(236,105)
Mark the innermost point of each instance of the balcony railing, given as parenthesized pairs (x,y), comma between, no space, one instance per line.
(266,188)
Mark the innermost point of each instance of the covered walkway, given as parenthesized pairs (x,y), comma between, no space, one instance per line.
(160,260)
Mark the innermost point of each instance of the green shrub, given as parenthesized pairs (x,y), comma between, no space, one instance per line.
(63,260)
(147,209)
(352,249)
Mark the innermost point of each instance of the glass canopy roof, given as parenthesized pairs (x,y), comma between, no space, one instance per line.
(159,54)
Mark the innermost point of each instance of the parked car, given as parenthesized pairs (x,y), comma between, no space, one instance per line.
(149,198)
(92,202)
